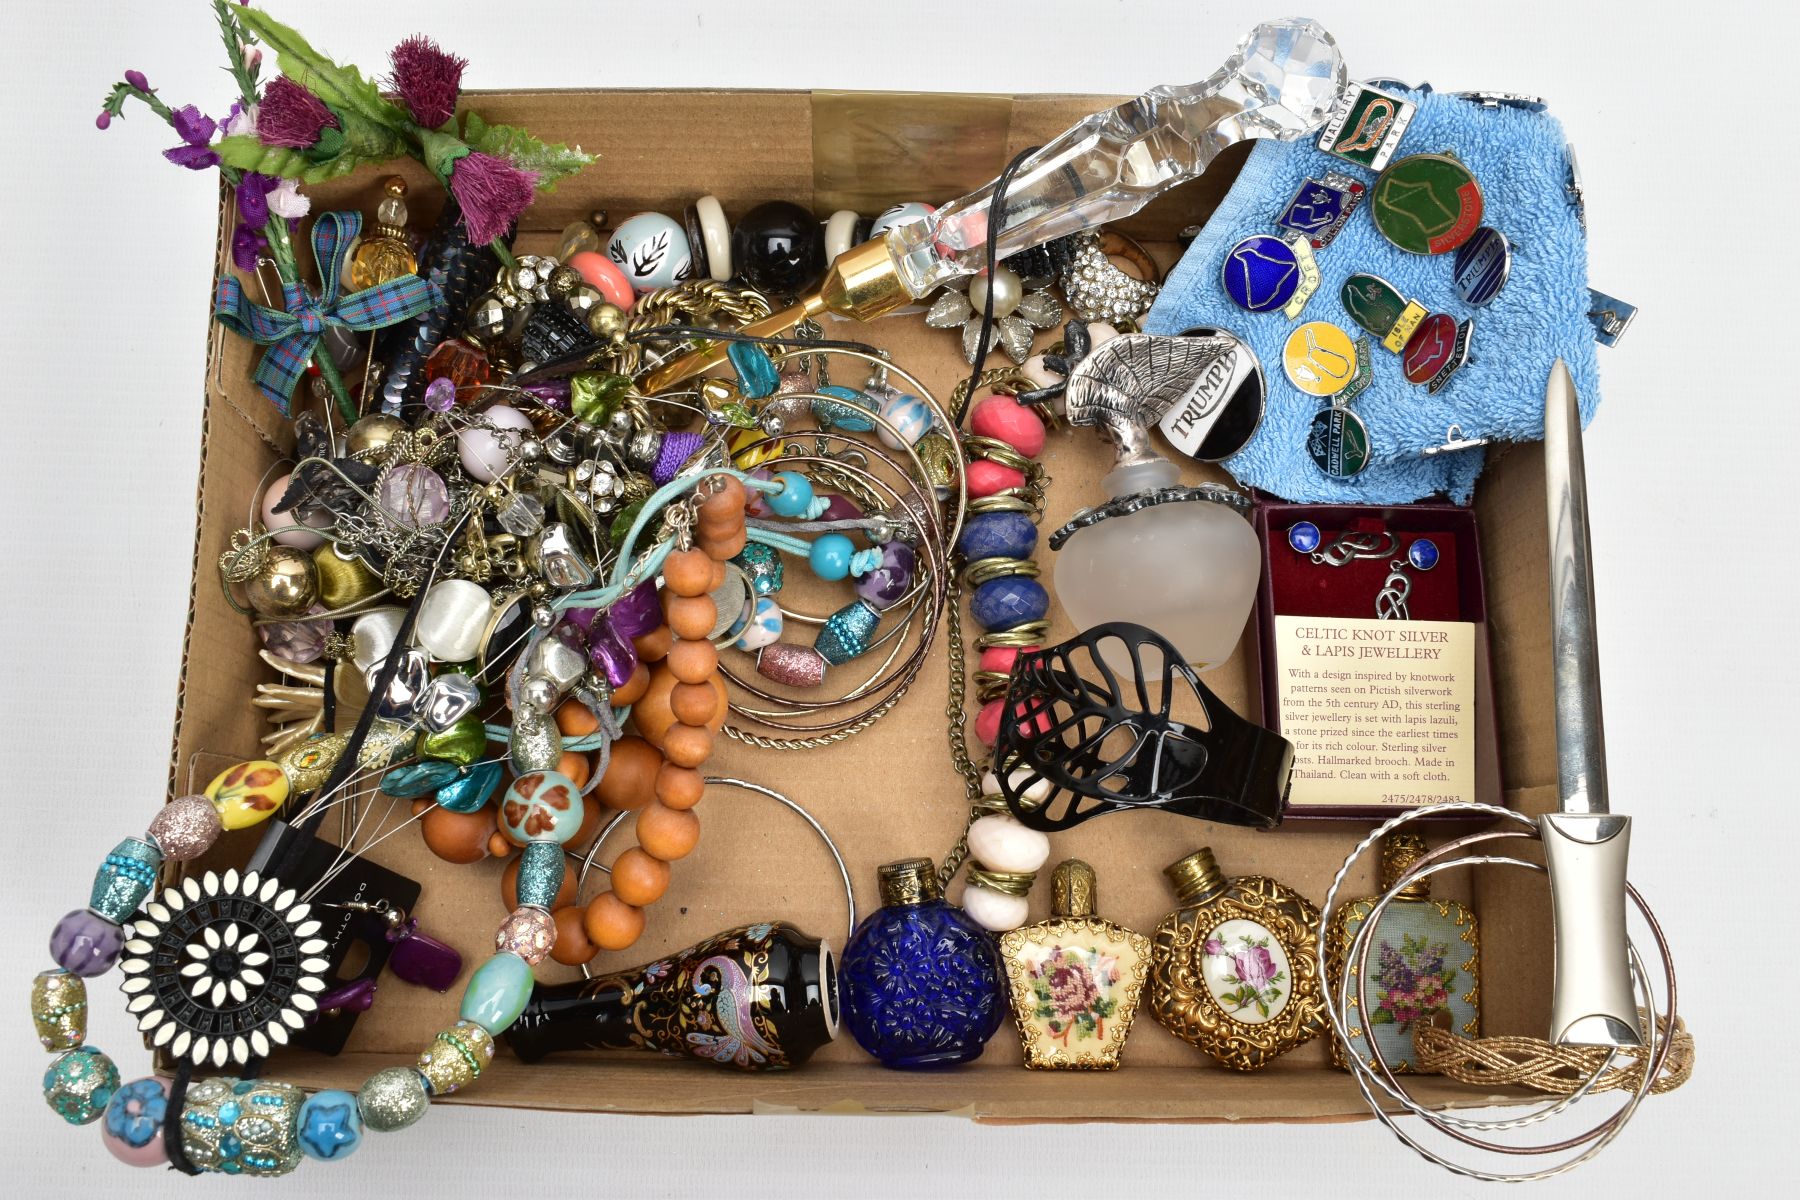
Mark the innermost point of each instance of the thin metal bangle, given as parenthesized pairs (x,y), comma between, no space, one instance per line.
(1338,1001)
(589,863)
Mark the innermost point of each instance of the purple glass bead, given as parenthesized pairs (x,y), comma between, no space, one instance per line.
(1009,601)
(421,959)
(440,395)
(86,944)
(296,641)
(841,508)
(677,448)
(552,393)
(638,611)
(414,496)
(884,586)
(997,535)
(612,654)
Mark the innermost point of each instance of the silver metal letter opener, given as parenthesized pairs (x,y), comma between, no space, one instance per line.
(1585,845)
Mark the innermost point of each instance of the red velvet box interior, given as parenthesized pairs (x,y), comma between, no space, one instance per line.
(1294,585)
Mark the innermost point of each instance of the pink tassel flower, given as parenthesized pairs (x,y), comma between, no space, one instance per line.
(492,193)
(291,116)
(428,78)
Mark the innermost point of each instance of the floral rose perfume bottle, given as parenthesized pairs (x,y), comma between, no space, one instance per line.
(1422,964)
(1235,969)
(1075,978)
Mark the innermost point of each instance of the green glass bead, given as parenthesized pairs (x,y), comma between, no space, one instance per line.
(463,743)
(79,1083)
(59,1009)
(594,394)
(393,1099)
(124,879)
(497,993)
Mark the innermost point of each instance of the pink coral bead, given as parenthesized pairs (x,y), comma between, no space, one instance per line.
(990,478)
(987,721)
(1000,659)
(1005,419)
(606,276)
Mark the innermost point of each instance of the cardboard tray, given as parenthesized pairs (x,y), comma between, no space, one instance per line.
(890,792)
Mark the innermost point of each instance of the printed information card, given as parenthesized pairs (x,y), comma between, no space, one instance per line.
(1381,713)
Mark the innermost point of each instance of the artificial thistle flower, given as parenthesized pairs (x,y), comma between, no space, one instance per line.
(427,79)
(291,117)
(492,193)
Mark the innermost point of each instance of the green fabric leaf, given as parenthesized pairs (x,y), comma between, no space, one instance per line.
(248,154)
(550,161)
(344,89)
(1381,1016)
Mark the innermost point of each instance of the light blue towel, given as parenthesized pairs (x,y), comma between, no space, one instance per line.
(1521,162)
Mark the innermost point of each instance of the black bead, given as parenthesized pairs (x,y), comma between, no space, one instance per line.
(702,267)
(552,331)
(779,247)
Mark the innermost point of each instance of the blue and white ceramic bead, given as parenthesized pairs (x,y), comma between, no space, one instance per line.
(330,1126)
(909,416)
(652,249)
(899,214)
(764,628)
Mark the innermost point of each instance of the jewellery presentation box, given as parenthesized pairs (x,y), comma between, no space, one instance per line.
(889,792)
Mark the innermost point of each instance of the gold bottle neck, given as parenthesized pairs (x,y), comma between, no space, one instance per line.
(1072,889)
(1197,877)
(909,881)
(1398,854)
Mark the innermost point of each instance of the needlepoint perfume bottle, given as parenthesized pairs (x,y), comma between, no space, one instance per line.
(921,981)
(1422,964)
(1235,968)
(1075,978)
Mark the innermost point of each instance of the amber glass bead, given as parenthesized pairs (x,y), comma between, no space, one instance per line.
(463,364)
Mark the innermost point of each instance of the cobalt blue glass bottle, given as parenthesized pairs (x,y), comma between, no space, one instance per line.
(922,982)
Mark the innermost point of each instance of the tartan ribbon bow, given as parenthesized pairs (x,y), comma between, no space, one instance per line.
(293,336)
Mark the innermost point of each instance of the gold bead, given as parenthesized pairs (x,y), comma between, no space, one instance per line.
(309,764)
(607,322)
(372,434)
(394,186)
(59,1010)
(456,1057)
(286,585)
(343,581)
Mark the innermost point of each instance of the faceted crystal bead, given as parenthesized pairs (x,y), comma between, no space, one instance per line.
(462,364)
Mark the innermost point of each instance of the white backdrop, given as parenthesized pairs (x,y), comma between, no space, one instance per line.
(1690,202)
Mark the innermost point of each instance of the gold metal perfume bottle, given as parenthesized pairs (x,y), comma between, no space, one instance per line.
(1075,978)
(1422,964)
(1235,969)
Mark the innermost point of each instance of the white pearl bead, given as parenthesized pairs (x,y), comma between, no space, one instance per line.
(1035,786)
(286,526)
(995,910)
(452,618)
(1007,289)
(840,233)
(1002,844)
(488,455)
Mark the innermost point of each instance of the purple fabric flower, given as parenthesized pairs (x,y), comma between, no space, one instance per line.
(291,116)
(491,191)
(247,245)
(195,129)
(253,197)
(428,79)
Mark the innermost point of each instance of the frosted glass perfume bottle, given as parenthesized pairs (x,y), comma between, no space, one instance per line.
(1075,978)
(1235,970)
(1180,560)
(1423,964)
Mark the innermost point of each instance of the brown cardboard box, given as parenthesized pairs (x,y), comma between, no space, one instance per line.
(889,792)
